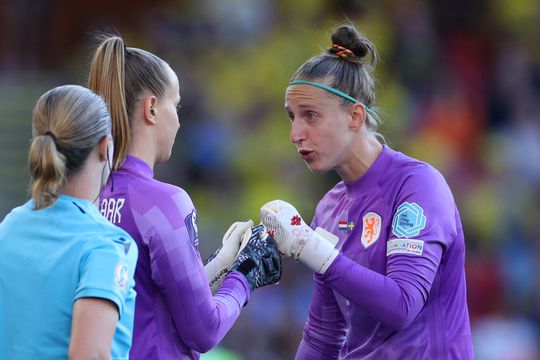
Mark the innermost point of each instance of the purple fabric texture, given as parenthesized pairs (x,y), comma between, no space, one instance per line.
(397,290)
(176,316)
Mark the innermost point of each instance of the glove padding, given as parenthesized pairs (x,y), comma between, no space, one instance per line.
(295,238)
(259,260)
(220,262)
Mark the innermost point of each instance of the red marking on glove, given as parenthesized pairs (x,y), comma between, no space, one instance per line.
(296,220)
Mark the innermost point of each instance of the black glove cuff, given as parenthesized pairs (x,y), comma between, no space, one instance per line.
(246,266)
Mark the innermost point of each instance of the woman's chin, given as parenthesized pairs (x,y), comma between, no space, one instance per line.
(315,168)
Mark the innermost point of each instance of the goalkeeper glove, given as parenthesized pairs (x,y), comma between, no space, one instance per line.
(259,261)
(295,238)
(220,262)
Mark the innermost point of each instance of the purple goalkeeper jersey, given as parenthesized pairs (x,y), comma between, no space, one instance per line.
(176,316)
(397,290)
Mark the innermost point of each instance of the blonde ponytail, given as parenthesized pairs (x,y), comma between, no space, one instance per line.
(107,78)
(67,123)
(121,75)
(48,168)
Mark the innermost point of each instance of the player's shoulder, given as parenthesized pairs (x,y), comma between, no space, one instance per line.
(165,193)
(93,231)
(410,171)
(167,200)
(413,180)
(333,196)
(166,189)
(15,218)
(337,191)
(18,211)
(105,235)
(106,230)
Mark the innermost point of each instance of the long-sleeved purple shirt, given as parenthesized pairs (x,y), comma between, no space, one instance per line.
(397,290)
(176,316)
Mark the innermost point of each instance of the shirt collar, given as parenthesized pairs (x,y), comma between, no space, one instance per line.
(136,165)
(85,206)
(373,174)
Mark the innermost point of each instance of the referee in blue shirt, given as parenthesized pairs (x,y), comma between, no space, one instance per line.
(66,274)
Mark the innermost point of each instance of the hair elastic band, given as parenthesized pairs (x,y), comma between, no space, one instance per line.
(333,91)
(53,137)
(342,52)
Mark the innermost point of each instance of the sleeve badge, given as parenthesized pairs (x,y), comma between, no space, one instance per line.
(409,220)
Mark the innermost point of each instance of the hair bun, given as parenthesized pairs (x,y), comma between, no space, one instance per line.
(348,37)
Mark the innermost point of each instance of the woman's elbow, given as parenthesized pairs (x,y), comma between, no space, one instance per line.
(406,310)
(400,320)
(204,344)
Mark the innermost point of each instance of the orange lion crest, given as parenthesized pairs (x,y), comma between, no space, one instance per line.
(371,228)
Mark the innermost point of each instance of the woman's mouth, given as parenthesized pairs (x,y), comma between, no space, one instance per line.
(307,155)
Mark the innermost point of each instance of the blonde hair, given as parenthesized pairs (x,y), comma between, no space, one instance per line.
(121,74)
(67,123)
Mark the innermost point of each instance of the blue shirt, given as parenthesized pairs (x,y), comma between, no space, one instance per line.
(49,259)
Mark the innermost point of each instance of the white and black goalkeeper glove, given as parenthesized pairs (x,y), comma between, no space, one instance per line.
(220,262)
(295,238)
(259,260)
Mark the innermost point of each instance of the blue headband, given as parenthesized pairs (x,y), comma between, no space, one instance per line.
(333,91)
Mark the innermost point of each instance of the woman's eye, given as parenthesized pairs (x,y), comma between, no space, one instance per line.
(311,115)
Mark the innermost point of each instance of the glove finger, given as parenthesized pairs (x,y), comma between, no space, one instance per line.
(273,206)
(258,230)
(230,230)
(245,239)
(243,226)
(237,229)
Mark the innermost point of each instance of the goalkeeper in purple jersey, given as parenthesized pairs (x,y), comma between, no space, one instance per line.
(176,315)
(388,248)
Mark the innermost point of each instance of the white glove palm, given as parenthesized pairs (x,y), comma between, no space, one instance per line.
(219,264)
(295,238)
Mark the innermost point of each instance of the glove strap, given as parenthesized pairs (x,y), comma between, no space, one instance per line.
(318,253)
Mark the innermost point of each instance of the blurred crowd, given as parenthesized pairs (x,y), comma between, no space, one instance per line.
(458,86)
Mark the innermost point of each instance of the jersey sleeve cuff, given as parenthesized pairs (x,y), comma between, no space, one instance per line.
(102,294)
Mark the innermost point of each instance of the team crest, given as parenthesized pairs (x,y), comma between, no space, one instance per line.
(408,220)
(371,228)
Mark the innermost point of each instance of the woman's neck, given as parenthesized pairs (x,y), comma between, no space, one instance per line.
(144,156)
(86,183)
(362,155)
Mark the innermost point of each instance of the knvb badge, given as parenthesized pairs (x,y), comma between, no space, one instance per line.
(371,228)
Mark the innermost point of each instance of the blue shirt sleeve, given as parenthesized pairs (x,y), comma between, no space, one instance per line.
(106,270)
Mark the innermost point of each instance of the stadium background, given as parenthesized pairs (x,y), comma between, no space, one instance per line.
(459,85)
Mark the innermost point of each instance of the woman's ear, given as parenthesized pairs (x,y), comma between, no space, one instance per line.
(150,109)
(358,116)
(104,148)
